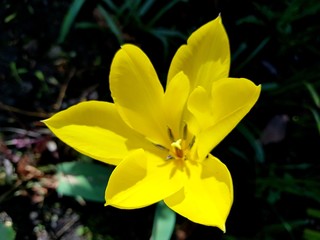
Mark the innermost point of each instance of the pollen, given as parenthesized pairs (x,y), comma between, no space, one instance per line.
(177,144)
(181,147)
(177,149)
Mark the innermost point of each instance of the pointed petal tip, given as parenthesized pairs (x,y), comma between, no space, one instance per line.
(222,228)
(83,127)
(256,93)
(206,56)
(137,92)
(218,18)
(260,86)
(45,121)
(128,45)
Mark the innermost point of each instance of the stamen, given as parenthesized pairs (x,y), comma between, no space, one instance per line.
(170,135)
(185,132)
(178,152)
(169,157)
(192,142)
(160,146)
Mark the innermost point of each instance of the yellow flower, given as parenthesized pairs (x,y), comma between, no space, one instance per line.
(161,141)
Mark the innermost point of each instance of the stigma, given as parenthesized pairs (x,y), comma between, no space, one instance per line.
(180,147)
(177,150)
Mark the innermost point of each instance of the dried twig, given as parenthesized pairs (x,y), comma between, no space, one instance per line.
(63,90)
(23,112)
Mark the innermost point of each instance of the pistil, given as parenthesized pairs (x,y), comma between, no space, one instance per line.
(177,148)
(181,147)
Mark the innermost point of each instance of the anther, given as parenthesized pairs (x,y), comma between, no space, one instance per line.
(169,157)
(160,146)
(170,135)
(192,142)
(185,131)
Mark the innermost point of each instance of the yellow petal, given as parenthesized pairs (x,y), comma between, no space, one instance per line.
(175,101)
(205,58)
(138,93)
(142,179)
(232,99)
(200,105)
(207,196)
(95,129)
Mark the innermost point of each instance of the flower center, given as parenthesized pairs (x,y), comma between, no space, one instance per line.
(177,150)
(180,148)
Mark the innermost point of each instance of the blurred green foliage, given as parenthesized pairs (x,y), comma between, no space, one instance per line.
(57,53)
(83,180)
(119,16)
(7,232)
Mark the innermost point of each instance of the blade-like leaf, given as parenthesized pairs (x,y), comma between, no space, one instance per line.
(163,223)
(255,144)
(145,7)
(7,232)
(111,5)
(310,234)
(313,93)
(114,28)
(162,11)
(69,19)
(316,116)
(82,179)
(262,44)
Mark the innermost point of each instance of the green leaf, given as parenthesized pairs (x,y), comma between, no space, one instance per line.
(250,19)
(253,54)
(310,234)
(255,144)
(240,49)
(313,93)
(113,26)
(111,5)
(145,7)
(86,25)
(164,34)
(316,117)
(7,232)
(162,11)
(270,86)
(10,17)
(163,223)
(39,75)
(15,72)
(69,19)
(83,179)
(315,213)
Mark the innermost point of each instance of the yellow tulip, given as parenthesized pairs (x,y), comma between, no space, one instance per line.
(160,141)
